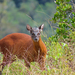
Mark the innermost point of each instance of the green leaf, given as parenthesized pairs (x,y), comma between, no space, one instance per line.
(68,0)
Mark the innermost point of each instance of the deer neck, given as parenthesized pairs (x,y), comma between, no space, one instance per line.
(37,44)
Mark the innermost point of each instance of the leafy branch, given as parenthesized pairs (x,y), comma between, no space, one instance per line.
(64,17)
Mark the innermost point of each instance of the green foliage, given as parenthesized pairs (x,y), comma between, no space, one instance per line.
(61,55)
(65,18)
(56,51)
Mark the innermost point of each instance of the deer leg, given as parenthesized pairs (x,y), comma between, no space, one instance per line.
(42,62)
(27,63)
(7,60)
(2,65)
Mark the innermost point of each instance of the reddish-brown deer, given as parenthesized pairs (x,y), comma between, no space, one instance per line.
(30,48)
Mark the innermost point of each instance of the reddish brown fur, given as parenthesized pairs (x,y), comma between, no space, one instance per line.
(23,47)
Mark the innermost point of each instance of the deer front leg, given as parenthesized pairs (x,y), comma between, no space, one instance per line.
(42,63)
(27,63)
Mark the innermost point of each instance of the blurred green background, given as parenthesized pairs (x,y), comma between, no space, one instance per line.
(16,14)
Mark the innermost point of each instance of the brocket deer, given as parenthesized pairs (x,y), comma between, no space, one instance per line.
(28,47)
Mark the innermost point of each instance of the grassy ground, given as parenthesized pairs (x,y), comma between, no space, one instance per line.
(60,60)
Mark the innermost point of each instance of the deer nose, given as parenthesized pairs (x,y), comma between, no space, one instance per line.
(36,39)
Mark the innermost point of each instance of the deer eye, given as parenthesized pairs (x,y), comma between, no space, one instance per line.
(38,33)
(33,34)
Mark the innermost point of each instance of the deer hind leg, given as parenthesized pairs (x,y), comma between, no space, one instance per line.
(7,60)
(3,64)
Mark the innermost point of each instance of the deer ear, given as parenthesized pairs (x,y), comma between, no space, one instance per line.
(28,27)
(41,27)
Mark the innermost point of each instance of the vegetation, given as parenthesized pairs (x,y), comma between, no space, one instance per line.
(14,19)
(60,58)
(65,18)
